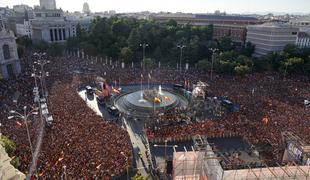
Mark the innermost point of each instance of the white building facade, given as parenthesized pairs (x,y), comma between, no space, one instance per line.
(9,61)
(303,40)
(269,37)
(51,26)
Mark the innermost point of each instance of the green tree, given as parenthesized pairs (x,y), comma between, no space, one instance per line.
(140,177)
(292,50)
(147,63)
(15,162)
(291,65)
(204,64)
(134,42)
(8,145)
(241,70)
(225,44)
(249,49)
(126,54)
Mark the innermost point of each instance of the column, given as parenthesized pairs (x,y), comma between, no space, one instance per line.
(60,34)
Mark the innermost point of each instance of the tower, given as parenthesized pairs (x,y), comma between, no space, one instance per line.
(48,4)
(86,9)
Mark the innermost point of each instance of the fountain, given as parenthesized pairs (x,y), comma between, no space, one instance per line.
(159,90)
(146,103)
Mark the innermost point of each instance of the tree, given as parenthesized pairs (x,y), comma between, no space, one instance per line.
(241,70)
(172,22)
(8,145)
(225,67)
(15,162)
(225,44)
(204,64)
(134,40)
(138,176)
(249,49)
(147,63)
(157,54)
(126,54)
(292,50)
(291,65)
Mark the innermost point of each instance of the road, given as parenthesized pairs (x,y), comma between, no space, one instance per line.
(133,127)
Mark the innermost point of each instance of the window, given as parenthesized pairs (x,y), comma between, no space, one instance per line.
(6,51)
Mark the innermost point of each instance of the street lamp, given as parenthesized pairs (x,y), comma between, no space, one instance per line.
(41,62)
(24,116)
(214,50)
(144,45)
(127,167)
(181,49)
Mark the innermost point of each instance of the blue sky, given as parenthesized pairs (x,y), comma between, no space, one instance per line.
(198,6)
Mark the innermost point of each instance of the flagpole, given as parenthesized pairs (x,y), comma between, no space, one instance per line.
(148,82)
(141,85)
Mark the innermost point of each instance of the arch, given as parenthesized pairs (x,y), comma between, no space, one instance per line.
(6,51)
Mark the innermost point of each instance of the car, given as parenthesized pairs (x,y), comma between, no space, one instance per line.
(113,110)
(89,90)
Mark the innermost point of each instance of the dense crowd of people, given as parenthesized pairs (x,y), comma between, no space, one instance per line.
(270,104)
(80,144)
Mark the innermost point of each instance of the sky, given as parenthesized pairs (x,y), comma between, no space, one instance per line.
(189,6)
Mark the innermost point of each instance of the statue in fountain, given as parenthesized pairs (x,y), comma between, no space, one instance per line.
(152,95)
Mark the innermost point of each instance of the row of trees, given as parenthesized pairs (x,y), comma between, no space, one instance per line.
(120,38)
(292,60)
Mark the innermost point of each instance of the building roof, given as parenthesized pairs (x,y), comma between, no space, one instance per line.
(225,17)
(273,25)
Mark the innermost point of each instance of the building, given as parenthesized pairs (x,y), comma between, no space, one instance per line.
(223,25)
(271,37)
(48,4)
(52,26)
(21,8)
(9,61)
(86,9)
(206,162)
(23,29)
(303,23)
(7,171)
(303,40)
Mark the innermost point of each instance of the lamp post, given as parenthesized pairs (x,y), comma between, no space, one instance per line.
(127,167)
(25,115)
(41,62)
(144,45)
(181,54)
(212,61)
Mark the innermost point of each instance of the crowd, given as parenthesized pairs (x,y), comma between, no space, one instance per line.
(270,104)
(82,145)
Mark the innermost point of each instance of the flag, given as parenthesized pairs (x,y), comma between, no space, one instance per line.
(18,123)
(265,120)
